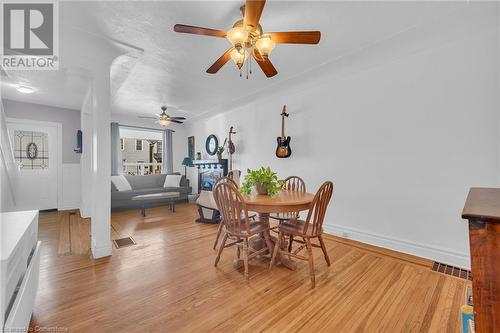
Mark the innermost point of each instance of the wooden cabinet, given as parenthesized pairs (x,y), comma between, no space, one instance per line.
(482,209)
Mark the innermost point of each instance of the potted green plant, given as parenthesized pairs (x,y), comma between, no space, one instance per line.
(219,152)
(264,180)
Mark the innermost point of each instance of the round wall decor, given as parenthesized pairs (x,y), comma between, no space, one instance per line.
(211,144)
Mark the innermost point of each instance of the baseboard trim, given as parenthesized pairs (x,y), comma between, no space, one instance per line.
(84,213)
(70,207)
(417,249)
(101,251)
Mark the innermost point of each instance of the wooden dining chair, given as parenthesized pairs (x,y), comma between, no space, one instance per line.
(251,215)
(293,183)
(219,181)
(309,229)
(237,226)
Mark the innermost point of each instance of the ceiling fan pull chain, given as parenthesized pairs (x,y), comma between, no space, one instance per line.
(245,62)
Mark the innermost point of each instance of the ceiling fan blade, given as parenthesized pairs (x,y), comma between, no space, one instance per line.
(220,62)
(176,121)
(296,37)
(266,65)
(190,29)
(178,118)
(253,11)
(147,117)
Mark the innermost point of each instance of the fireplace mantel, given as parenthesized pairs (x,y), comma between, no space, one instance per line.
(206,167)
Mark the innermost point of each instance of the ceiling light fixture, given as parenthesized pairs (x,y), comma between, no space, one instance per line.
(239,58)
(164,121)
(25,89)
(238,36)
(265,45)
(249,40)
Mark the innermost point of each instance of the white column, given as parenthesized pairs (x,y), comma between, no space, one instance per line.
(87,126)
(101,165)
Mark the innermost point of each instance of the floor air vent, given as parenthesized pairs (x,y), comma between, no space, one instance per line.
(123,242)
(451,270)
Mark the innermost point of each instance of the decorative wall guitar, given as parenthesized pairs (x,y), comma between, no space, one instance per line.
(283,150)
(231,148)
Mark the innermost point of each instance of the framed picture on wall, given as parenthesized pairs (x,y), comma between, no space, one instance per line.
(191,147)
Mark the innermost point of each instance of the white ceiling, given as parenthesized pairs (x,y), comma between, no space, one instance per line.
(171,70)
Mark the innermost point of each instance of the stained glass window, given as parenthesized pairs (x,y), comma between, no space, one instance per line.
(31,149)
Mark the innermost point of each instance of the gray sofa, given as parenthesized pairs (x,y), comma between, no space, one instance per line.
(146,185)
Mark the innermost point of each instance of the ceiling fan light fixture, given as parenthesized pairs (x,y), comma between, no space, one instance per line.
(237,36)
(247,37)
(265,45)
(238,57)
(163,122)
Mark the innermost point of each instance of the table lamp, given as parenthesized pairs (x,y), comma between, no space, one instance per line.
(187,162)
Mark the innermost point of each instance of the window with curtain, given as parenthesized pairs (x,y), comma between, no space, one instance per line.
(143,151)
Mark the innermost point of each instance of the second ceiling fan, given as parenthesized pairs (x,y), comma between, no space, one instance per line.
(249,40)
(164,119)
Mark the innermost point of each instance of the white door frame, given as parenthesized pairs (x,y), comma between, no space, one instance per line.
(59,150)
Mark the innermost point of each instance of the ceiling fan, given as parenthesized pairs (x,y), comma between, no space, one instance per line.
(249,40)
(164,119)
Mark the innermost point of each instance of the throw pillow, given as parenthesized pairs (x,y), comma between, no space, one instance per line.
(172,181)
(121,183)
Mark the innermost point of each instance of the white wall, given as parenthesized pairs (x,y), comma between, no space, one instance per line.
(70,123)
(402,139)
(70,120)
(71,189)
(9,172)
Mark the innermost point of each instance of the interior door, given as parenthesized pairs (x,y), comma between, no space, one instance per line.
(36,151)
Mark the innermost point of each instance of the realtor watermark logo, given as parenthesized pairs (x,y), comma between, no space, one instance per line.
(30,35)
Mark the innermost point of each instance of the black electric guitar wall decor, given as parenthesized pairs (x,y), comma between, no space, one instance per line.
(283,150)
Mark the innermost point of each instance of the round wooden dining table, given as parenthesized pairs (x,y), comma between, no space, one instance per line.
(285,201)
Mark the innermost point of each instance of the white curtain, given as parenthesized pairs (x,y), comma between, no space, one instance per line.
(116,151)
(167,163)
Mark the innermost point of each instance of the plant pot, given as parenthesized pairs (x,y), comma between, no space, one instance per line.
(261,189)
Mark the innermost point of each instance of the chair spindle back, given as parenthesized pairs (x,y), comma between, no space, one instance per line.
(225,179)
(295,183)
(316,214)
(232,207)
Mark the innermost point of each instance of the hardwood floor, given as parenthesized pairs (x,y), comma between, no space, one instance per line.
(167,283)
